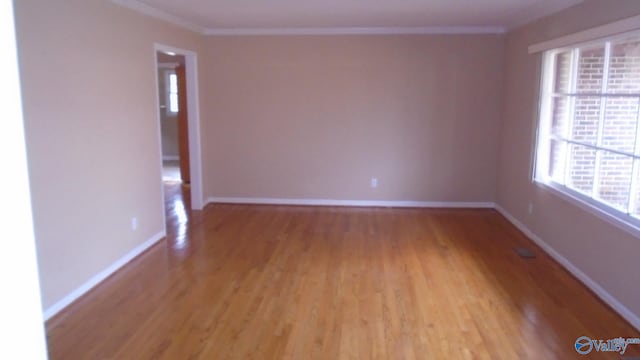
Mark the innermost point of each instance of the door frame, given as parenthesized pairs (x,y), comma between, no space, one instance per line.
(193,121)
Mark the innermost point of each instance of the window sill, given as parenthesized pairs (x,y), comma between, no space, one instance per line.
(604,212)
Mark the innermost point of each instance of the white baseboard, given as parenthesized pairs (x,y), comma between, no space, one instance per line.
(584,278)
(369,203)
(170,157)
(96,279)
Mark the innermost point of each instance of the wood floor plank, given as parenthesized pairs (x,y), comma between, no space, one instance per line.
(286,282)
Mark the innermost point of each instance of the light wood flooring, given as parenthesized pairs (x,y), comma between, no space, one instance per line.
(285,282)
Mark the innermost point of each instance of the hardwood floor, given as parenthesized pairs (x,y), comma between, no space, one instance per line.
(271,282)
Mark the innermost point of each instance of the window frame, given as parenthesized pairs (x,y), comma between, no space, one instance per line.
(544,136)
(168,92)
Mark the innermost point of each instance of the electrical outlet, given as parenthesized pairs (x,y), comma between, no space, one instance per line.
(374,182)
(530,208)
(134,223)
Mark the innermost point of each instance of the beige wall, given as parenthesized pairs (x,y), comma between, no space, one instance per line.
(606,254)
(88,79)
(318,116)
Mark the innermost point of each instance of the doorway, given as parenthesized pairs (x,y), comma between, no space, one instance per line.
(179,127)
(173,117)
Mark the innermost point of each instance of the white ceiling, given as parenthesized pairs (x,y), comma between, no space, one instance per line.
(228,16)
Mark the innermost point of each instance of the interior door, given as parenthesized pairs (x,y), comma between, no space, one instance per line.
(183,125)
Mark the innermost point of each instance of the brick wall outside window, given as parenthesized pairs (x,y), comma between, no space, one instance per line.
(619,114)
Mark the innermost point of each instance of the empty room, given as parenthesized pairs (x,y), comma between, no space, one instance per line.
(353,179)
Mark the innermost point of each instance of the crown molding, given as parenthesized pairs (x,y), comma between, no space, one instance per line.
(145,9)
(151,11)
(358,30)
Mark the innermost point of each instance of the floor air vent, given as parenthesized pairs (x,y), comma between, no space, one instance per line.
(525,253)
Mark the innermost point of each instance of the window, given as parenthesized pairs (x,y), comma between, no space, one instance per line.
(172,92)
(588,137)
